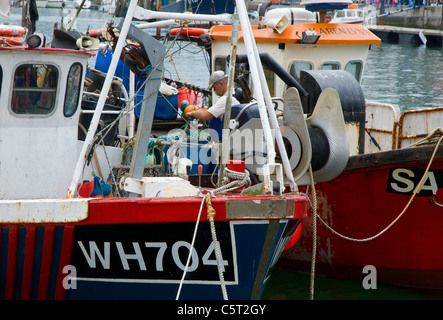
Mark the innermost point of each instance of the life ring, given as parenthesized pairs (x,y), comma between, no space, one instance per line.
(188,32)
(12,41)
(9,31)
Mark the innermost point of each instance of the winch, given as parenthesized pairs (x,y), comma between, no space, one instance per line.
(318,139)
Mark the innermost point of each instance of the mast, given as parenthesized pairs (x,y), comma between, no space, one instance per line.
(89,140)
(226,142)
(262,94)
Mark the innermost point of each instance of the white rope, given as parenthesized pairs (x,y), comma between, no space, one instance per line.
(314,234)
(190,250)
(315,214)
(218,257)
(239,179)
(211,215)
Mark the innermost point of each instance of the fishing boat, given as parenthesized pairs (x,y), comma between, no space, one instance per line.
(352,14)
(41,3)
(383,209)
(77,223)
(54,4)
(202,7)
(107,6)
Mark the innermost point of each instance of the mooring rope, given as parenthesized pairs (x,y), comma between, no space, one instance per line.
(211,215)
(316,215)
(190,250)
(416,190)
(314,233)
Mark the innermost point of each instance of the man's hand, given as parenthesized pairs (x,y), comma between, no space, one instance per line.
(202,115)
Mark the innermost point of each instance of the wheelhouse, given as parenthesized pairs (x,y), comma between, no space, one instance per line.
(338,47)
(40,99)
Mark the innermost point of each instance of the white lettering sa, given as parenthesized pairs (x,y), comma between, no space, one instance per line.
(401,175)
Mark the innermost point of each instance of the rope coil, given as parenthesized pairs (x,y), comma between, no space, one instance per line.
(240,179)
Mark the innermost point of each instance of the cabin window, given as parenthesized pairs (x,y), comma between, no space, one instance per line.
(221,63)
(340,14)
(330,66)
(355,68)
(241,81)
(296,67)
(35,89)
(73,87)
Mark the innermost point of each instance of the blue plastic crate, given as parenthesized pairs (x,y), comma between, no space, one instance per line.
(166,107)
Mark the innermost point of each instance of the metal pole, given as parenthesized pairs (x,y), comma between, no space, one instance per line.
(132,104)
(144,14)
(76,14)
(102,99)
(226,141)
(258,89)
(252,50)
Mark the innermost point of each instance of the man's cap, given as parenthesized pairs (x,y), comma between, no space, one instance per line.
(215,77)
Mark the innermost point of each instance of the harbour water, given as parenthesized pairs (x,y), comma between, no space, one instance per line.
(410,76)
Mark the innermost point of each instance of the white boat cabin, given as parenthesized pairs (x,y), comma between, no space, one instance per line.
(41,91)
(304,46)
(348,16)
(331,47)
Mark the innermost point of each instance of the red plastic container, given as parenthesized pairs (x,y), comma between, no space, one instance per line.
(193,97)
(238,166)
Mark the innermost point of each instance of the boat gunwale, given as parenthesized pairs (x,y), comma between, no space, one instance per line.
(330,33)
(418,155)
(48,50)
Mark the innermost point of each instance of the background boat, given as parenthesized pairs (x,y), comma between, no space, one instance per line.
(54,4)
(41,3)
(202,7)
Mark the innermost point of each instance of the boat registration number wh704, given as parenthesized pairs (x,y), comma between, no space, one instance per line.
(152,253)
(405,180)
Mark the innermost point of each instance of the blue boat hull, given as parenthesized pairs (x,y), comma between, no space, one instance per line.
(139,261)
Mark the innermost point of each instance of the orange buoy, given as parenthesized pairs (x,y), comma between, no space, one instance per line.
(9,31)
(189,32)
(190,108)
(12,35)
(12,41)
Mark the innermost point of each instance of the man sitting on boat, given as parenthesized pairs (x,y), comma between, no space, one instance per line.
(218,81)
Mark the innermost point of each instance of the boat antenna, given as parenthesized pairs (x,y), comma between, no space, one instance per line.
(76,15)
(227,118)
(102,99)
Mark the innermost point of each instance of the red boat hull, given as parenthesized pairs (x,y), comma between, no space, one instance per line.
(136,248)
(361,203)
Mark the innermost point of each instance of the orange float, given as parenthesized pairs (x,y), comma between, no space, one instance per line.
(9,31)
(12,35)
(12,41)
(190,108)
(188,32)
